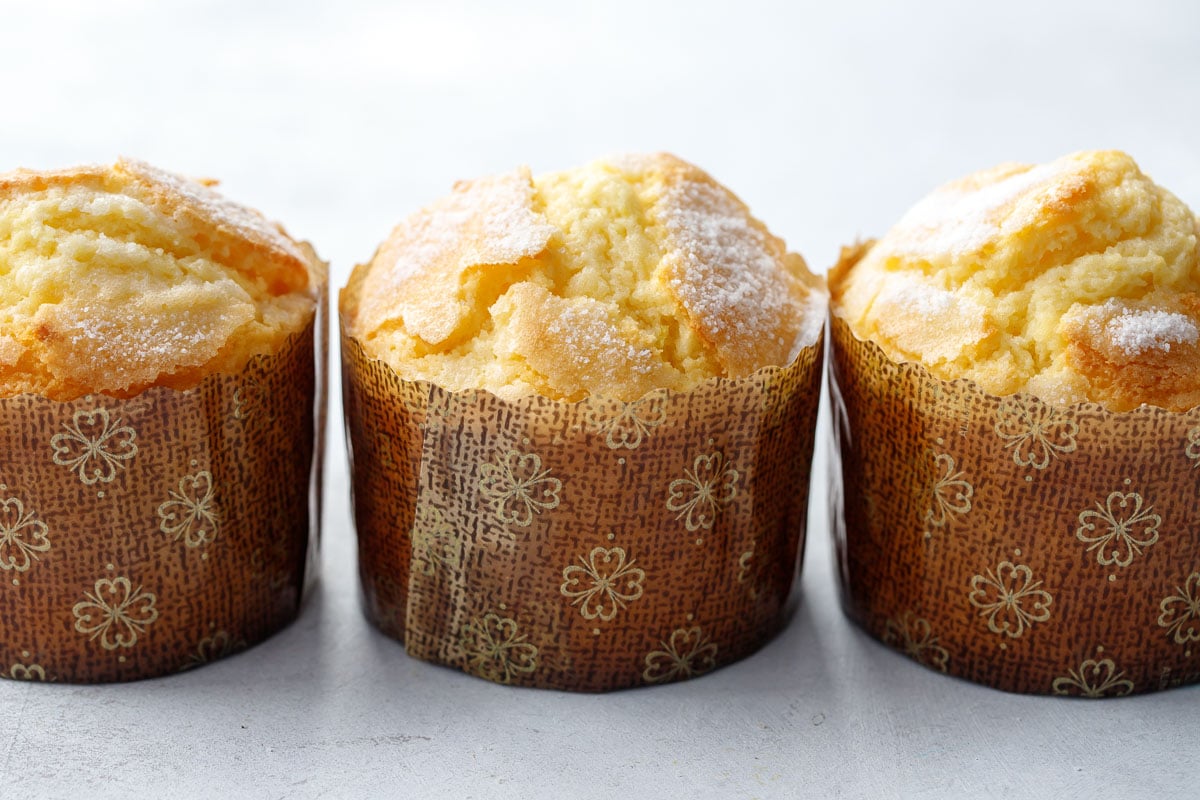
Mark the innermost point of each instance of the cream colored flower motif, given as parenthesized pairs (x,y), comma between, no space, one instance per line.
(1010,599)
(708,486)
(189,514)
(604,584)
(1192,450)
(22,536)
(94,446)
(1093,679)
(519,488)
(248,398)
(1035,432)
(746,563)
(115,613)
(914,635)
(495,650)
(633,424)
(28,672)
(433,542)
(213,648)
(1125,528)
(950,494)
(1181,611)
(687,654)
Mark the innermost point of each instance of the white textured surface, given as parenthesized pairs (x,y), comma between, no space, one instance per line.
(341,119)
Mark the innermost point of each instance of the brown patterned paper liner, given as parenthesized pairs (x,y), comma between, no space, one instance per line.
(1026,546)
(151,535)
(584,546)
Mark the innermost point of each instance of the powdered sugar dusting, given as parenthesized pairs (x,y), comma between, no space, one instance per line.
(131,348)
(485,221)
(250,224)
(812,323)
(573,344)
(601,356)
(959,219)
(92,330)
(10,350)
(729,280)
(925,301)
(1136,331)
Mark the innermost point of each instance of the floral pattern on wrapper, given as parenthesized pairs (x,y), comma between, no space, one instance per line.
(115,613)
(1036,433)
(1119,529)
(950,495)
(24,538)
(526,541)
(630,426)
(189,514)
(1010,599)
(686,654)
(496,649)
(706,488)
(914,636)
(1044,526)
(603,583)
(1180,612)
(125,523)
(518,487)
(94,445)
(1094,678)
(211,648)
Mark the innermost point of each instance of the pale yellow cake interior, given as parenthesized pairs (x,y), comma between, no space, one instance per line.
(1075,281)
(612,279)
(114,279)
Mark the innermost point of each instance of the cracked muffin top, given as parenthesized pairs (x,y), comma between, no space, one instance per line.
(612,279)
(114,279)
(1075,281)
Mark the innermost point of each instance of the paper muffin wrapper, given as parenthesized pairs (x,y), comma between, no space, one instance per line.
(585,546)
(150,535)
(1026,546)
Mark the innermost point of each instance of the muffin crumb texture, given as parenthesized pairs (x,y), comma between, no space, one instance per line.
(613,279)
(1075,281)
(114,279)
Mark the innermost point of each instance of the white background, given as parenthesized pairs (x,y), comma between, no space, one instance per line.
(829,120)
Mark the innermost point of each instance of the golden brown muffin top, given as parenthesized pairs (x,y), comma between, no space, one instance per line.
(1077,280)
(114,279)
(611,279)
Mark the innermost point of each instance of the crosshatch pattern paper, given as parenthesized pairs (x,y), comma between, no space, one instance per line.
(1026,546)
(585,546)
(151,535)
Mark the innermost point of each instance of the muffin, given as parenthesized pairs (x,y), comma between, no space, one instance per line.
(581,411)
(157,386)
(1016,375)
